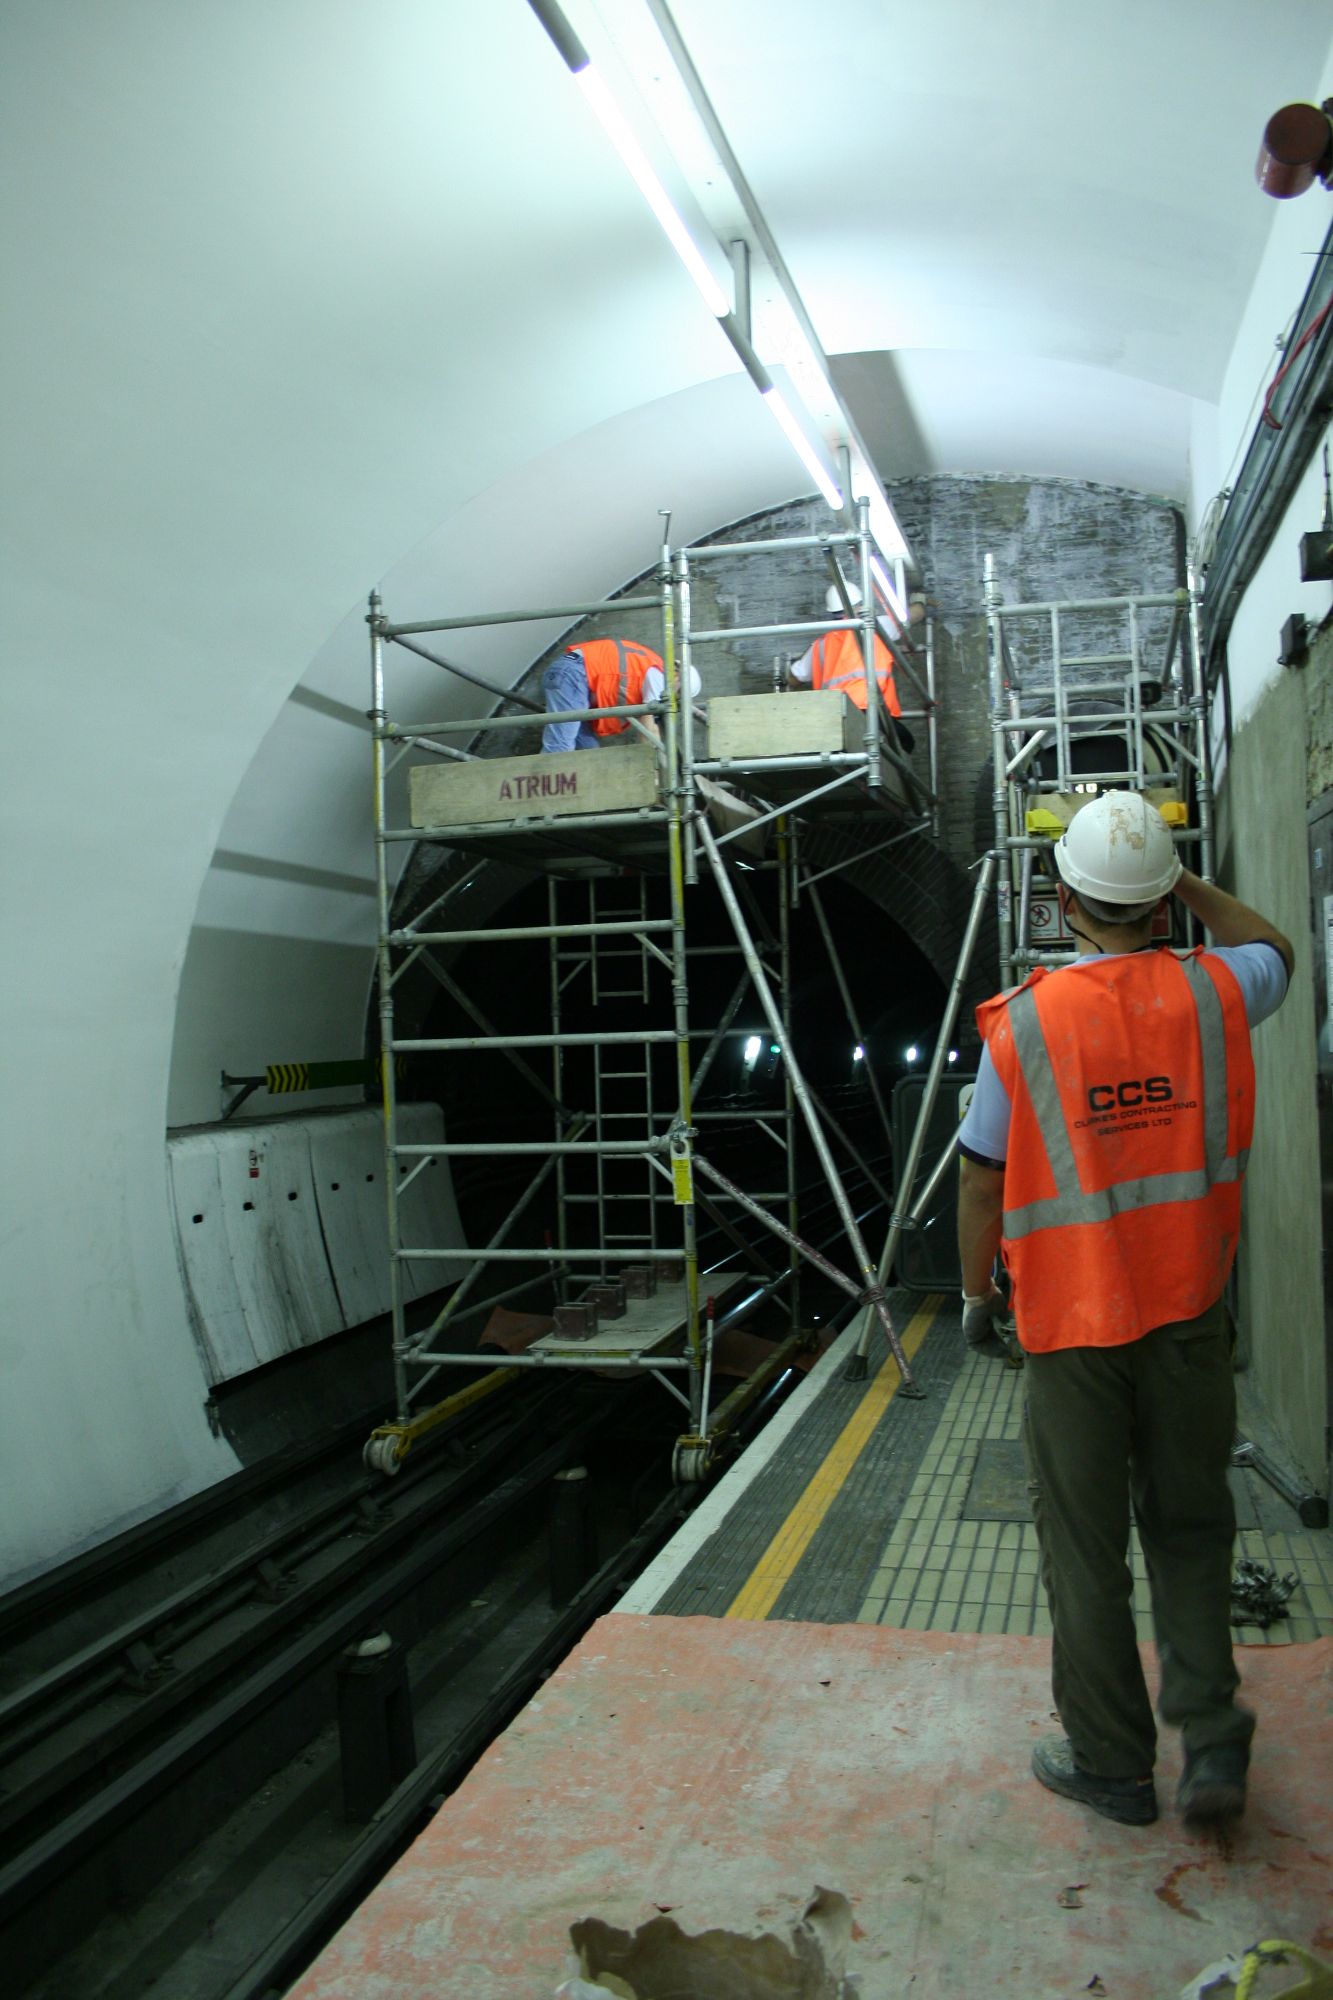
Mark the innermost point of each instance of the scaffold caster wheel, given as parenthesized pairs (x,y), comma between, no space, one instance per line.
(690,1461)
(380,1454)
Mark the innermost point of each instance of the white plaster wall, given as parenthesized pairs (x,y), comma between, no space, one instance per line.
(1295,239)
(570,525)
(242,242)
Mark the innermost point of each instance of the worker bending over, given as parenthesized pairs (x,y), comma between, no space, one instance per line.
(838,661)
(1103,1153)
(603,673)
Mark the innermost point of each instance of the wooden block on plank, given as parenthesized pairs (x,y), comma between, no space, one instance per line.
(490,789)
(775,725)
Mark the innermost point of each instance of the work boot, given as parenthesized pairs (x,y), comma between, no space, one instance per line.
(1132,1801)
(1212,1787)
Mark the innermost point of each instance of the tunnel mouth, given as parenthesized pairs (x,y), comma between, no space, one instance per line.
(487,1101)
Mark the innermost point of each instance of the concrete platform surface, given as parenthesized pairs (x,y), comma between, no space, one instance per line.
(720,1769)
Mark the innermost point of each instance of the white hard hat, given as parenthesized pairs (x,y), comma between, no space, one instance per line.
(1117,849)
(833,601)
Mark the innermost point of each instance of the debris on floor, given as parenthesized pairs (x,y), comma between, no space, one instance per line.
(659,1961)
(1259,1593)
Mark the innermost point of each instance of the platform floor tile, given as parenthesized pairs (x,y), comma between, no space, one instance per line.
(940,1571)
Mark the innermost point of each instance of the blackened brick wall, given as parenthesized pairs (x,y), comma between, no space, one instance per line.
(1052,540)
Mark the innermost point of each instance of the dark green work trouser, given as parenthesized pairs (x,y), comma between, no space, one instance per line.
(1154,1420)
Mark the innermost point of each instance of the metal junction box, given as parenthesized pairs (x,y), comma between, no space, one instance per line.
(489,789)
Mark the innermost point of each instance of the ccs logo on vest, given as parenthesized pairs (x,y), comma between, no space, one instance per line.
(1112,1106)
(1130,1093)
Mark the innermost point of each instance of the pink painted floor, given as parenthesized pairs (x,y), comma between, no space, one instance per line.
(721,1769)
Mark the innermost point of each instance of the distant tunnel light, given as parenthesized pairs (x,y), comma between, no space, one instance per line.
(953,1055)
(752,1048)
(913,1052)
(618,131)
(858,1053)
(802,446)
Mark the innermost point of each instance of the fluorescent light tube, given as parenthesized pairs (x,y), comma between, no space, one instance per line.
(883,526)
(889,589)
(619,132)
(801,445)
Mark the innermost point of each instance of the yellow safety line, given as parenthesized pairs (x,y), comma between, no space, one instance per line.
(764,1584)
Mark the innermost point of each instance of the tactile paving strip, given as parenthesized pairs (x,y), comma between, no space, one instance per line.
(906,1539)
(939,1571)
(830,1581)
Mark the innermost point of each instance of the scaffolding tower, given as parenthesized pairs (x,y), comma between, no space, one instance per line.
(1084,694)
(627,1159)
(1087,694)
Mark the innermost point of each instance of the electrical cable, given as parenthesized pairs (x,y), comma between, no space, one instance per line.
(1275,423)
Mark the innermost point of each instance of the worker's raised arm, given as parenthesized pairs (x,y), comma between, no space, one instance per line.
(1229,920)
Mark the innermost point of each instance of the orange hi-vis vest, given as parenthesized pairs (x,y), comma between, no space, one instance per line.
(615,670)
(839,661)
(1131,1087)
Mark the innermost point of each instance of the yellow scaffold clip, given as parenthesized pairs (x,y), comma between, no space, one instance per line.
(1316,1985)
(1042,820)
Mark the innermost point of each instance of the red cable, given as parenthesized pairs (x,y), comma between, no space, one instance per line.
(1267,417)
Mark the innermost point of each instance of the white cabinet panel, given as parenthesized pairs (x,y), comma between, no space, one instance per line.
(347,1159)
(282,1231)
(217,1313)
(428,1212)
(276,1240)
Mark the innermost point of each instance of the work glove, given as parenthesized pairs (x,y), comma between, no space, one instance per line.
(988,1329)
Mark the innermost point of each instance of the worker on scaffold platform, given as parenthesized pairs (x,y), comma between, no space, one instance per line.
(838,661)
(603,673)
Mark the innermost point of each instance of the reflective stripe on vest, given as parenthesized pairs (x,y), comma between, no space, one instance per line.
(1131,1090)
(615,670)
(828,671)
(1070,1204)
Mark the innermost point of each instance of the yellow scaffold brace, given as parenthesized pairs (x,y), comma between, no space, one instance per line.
(388,1445)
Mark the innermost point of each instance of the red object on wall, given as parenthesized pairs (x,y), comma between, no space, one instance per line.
(1297,145)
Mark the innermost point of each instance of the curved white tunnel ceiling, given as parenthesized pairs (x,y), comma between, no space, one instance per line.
(1063,182)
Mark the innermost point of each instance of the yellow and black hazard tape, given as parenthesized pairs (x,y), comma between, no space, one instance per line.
(281,1079)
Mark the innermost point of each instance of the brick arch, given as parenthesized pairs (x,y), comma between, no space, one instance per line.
(922,890)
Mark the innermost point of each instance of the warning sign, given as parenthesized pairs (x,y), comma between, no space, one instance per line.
(1045,922)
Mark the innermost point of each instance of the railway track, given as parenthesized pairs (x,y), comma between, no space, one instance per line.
(152,1687)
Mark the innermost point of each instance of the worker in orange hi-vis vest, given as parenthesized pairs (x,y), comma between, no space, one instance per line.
(838,661)
(602,673)
(1103,1153)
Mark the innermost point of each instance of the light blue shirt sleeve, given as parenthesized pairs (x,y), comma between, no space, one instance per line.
(654,683)
(1259,970)
(1261,973)
(984,1132)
